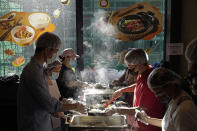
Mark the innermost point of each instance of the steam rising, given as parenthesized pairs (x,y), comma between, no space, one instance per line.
(101,24)
(101,69)
(100,75)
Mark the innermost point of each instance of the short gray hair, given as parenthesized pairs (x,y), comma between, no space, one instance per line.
(136,56)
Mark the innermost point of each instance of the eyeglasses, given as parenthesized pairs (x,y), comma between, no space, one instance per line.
(131,65)
(54,49)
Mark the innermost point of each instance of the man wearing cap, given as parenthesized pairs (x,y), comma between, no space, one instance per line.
(69,85)
(137,59)
(34,102)
(67,82)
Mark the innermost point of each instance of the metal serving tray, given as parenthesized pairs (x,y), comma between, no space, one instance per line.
(115,121)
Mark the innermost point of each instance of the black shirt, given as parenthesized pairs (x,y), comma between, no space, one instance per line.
(66,75)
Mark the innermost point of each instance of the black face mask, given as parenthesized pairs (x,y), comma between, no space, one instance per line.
(190,77)
(193,86)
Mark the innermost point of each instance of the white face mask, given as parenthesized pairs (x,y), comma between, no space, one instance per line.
(54,75)
(52,59)
(72,62)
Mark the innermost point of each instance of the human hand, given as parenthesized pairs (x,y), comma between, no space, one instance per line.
(117,93)
(141,116)
(110,111)
(115,82)
(59,115)
(67,101)
(80,107)
(86,85)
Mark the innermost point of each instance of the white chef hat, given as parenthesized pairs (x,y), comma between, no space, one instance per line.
(136,56)
(160,77)
(191,51)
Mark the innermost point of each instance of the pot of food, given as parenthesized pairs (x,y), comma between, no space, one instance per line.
(96,96)
(97,112)
(98,123)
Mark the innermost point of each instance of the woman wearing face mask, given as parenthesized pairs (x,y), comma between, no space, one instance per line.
(69,85)
(181,114)
(52,73)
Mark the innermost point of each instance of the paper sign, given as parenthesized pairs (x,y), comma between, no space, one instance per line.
(174,49)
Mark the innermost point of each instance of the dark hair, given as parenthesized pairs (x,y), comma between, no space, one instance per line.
(47,40)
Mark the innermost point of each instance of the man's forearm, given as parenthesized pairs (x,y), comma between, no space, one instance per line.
(129,88)
(128,111)
(155,121)
(66,107)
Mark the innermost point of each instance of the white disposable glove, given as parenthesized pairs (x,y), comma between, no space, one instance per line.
(142,116)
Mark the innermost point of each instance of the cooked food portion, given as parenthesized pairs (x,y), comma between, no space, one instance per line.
(18,61)
(99,86)
(121,103)
(22,33)
(9,52)
(96,111)
(133,25)
(97,106)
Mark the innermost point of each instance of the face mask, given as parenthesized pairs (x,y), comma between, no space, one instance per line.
(72,63)
(166,100)
(191,81)
(163,97)
(50,60)
(54,75)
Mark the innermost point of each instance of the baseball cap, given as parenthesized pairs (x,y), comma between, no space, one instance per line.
(69,52)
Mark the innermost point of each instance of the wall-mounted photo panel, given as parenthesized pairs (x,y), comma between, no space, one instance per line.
(24,28)
(139,21)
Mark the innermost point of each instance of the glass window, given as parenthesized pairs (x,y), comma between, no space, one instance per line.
(103,47)
(98,48)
